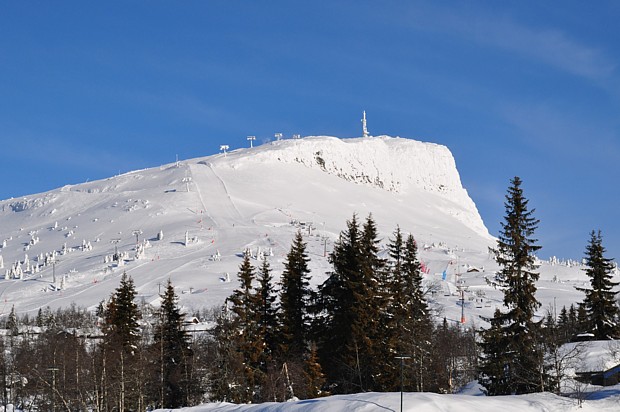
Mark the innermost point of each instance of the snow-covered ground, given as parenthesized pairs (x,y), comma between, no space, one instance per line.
(211,209)
(609,400)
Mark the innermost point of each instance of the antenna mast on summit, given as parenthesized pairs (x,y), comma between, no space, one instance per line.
(364,128)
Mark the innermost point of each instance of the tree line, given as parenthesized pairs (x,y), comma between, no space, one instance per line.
(520,351)
(277,340)
(346,336)
(110,360)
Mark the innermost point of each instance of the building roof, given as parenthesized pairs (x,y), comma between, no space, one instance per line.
(593,356)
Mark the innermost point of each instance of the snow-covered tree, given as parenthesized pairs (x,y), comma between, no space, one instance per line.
(26,263)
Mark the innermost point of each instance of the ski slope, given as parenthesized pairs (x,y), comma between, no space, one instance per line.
(211,209)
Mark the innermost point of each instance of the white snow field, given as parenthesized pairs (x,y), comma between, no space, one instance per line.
(211,209)
(428,402)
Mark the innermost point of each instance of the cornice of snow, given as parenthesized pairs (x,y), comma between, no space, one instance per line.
(395,164)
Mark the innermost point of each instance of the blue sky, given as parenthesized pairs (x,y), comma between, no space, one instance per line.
(527,88)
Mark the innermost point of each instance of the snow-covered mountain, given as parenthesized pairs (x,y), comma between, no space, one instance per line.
(191,221)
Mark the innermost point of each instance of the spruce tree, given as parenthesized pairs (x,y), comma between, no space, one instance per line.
(294,300)
(368,331)
(121,326)
(267,313)
(227,381)
(600,299)
(336,309)
(515,254)
(121,337)
(39,319)
(172,354)
(418,323)
(313,374)
(564,327)
(574,319)
(351,305)
(408,326)
(582,323)
(395,315)
(496,358)
(243,299)
(246,338)
(11,322)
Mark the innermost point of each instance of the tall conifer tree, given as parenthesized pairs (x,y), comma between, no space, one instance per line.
(295,300)
(245,304)
(121,345)
(600,299)
(369,338)
(122,315)
(395,314)
(352,304)
(267,315)
(11,322)
(418,323)
(173,354)
(496,357)
(515,254)
(408,324)
(227,381)
(336,314)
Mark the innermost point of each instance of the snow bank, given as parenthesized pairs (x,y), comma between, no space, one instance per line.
(425,402)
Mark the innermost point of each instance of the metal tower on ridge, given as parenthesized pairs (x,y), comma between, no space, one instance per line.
(364,129)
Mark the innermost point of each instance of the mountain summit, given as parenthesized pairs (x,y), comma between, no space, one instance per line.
(393,164)
(192,220)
